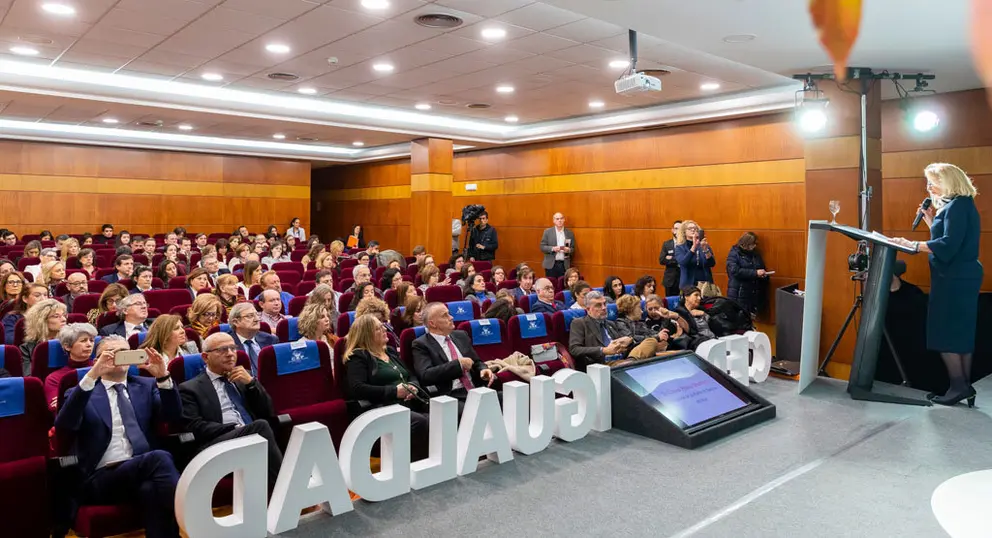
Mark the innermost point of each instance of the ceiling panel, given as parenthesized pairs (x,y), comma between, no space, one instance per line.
(539,17)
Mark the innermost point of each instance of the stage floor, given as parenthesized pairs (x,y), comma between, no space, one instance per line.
(826,466)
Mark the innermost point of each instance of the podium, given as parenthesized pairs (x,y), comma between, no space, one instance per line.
(871,329)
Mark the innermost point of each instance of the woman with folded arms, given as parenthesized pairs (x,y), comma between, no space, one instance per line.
(168,337)
(376,375)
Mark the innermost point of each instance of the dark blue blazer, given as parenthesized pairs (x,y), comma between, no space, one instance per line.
(541,306)
(112,278)
(694,266)
(119,329)
(86,416)
(262,338)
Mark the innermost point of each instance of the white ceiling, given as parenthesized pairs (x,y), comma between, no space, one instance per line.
(555,54)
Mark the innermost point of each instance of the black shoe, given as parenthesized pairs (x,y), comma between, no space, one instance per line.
(954,399)
(931,395)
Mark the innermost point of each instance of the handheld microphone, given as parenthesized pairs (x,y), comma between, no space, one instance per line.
(919,215)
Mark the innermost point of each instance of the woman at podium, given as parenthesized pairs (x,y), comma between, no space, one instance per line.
(955,275)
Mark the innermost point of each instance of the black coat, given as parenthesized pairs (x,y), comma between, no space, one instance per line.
(433,368)
(487,238)
(671,278)
(745,286)
(201,407)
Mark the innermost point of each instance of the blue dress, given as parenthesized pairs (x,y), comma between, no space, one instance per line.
(955,277)
(694,266)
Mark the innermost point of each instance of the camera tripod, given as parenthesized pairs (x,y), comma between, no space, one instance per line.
(859,278)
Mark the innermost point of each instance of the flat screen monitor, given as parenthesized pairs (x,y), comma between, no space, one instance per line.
(687,390)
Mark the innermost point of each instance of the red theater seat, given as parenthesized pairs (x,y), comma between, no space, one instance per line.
(304,395)
(443,294)
(166,300)
(406,344)
(294,267)
(10,359)
(345,319)
(24,425)
(290,277)
(305,287)
(84,303)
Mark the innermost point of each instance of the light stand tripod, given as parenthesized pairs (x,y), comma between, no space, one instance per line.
(859,279)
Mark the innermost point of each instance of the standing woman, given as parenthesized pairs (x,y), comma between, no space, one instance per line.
(955,275)
(746,270)
(357,237)
(694,255)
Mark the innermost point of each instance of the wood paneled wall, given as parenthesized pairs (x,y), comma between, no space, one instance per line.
(75,189)
(963,138)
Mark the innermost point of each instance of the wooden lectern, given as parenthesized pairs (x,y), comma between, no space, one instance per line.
(861,385)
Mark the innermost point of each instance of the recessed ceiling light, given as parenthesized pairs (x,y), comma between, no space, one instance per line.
(383,67)
(739,38)
(375,4)
(511,119)
(110,120)
(212,77)
(185,127)
(619,64)
(422,106)
(596,104)
(307,91)
(279,136)
(24,51)
(358,143)
(506,88)
(58,9)
(709,86)
(493,33)
(277,48)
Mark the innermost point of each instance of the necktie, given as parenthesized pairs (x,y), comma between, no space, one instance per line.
(139,444)
(465,379)
(235,397)
(606,335)
(252,356)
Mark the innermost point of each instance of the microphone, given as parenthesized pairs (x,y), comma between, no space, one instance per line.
(919,215)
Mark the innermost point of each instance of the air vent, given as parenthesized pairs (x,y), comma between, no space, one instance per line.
(438,20)
(36,40)
(447,102)
(155,123)
(283,76)
(479,106)
(307,139)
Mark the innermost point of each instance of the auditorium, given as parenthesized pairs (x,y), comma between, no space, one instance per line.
(312,268)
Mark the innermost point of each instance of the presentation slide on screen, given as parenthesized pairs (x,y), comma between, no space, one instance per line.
(683,392)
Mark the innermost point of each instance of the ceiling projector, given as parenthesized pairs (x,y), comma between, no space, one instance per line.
(637,83)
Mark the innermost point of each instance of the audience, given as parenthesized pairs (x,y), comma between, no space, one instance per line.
(696,320)
(228,292)
(357,237)
(311,256)
(211,265)
(115,437)
(42,322)
(106,236)
(465,274)
(226,402)
(133,311)
(377,307)
(376,375)
(314,323)
(659,317)
(77,341)
(746,271)
(413,312)
(475,289)
(124,265)
(325,295)
(571,277)
(525,283)
(593,339)
(6,267)
(30,295)
(613,289)
(252,276)
(579,291)
(244,321)
(167,336)
(270,281)
(363,291)
(502,308)
(444,358)
(167,270)
(11,285)
(277,254)
(142,279)
(391,279)
(694,255)
(196,281)
(644,287)
(46,255)
(546,298)
(205,313)
(498,275)
(429,277)
(107,302)
(70,249)
(272,308)
(629,323)
(87,262)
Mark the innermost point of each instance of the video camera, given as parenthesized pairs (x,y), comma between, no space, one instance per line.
(472,212)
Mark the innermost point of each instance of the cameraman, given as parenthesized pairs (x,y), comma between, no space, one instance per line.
(482,240)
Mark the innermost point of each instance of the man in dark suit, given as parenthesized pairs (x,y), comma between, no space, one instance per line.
(133,310)
(444,358)
(593,339)
(244,320)
(667,259)
(112,418)
(125,267)
(213,268)
(546,298)
(77,285)
(225,402)
(558,246)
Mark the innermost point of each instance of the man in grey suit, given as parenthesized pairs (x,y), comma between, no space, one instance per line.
(558,246)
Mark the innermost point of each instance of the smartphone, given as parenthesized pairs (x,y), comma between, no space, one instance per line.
(702,234)
(127,357)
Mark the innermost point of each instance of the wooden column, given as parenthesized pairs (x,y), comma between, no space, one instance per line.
(832,173)
(430,196)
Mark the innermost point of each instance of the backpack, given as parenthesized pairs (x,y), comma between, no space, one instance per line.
(726,316)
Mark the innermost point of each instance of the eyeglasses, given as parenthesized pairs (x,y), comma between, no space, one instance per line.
(140,305)
(222,349)
(210,315)
(15,283)
(249,317)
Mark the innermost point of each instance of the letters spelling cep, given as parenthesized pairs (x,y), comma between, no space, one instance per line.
(313,473)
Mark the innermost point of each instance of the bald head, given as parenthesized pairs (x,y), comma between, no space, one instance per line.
(437,319)
(220,353)
(216,340)
(271,302)
(545,290)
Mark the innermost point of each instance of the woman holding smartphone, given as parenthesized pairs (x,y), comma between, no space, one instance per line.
(746,271)
(694,255)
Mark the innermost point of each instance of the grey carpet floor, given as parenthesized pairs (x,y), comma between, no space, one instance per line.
(827,466)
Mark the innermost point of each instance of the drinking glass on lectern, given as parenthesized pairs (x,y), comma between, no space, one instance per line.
(834,209)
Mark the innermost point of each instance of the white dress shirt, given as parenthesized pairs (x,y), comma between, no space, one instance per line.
(119,448)
(456,384)
(227,410)
(130,329)
(560,241)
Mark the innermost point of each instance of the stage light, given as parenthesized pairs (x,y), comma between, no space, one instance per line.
(925,120)
(812,120)
(811,107)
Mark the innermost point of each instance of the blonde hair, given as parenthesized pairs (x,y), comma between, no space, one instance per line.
(336,248)
(373,305)
(680,235)
(953,180)
(627,305)
(65,247)
(203,304)
(36,319)
(310,317)
(46,272)
(362,335)
(321,257)
(225,279)
(160,332)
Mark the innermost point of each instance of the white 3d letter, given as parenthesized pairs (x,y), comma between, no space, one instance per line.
(761,362)
(310,475)
(245,457)
(392,425)
(574,416)
(600,375)
(481,431)
(714,352)
(529,436)
(442,463)
(737,352)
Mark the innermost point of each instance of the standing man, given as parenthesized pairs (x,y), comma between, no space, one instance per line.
(667,259)
(558,246)
(482,240)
